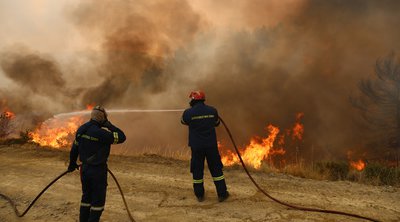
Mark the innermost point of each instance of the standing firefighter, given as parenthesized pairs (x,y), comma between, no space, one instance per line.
(202,120)
(92,144)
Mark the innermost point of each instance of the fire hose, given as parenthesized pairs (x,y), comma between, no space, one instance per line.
(279,201)
(13,205)
(33,202)
(244,167)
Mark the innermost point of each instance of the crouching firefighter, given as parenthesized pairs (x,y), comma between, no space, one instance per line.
(202,120)
(92,145)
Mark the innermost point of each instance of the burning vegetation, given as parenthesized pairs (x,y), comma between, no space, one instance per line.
(272,150)
(258,150)
(6,123)
(358,165)
(56,133)
(261,149)
(149,54)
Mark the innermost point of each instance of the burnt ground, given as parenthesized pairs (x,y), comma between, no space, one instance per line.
(160,189)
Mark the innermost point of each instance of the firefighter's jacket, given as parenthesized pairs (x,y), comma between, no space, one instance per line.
(92,143)
(202,120)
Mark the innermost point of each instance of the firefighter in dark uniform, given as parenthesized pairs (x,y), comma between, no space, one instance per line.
(92,144)
(202,120)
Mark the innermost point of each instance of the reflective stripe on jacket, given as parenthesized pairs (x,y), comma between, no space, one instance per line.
(92,143)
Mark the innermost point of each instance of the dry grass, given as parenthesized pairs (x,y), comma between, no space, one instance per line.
(374,174)
(181,154)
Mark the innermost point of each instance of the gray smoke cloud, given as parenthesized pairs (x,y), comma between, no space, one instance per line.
(153,53)
(137,36)
(38,74)
(311,63)
(38,89)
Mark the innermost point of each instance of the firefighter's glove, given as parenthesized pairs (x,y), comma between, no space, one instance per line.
(72,167)
(108,124)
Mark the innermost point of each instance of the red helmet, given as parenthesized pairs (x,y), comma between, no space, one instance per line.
(197,95)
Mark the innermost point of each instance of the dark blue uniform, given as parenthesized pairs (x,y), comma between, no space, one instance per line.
(92,144)
(202,120)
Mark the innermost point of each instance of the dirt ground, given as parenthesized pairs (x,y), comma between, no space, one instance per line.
(160,189)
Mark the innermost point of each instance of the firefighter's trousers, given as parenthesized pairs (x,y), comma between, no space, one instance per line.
(94,188)
(199,154)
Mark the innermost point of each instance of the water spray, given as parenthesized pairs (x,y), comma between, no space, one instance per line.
(86,112)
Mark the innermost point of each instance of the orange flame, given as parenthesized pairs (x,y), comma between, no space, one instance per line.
(257,151)
(90,106)
(56,132)
(230,158)
(298,128)
(9,114)
(261,149)
(358,165)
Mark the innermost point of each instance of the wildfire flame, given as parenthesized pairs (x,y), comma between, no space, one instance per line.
(90,106)
(298,128)
(358,165)
(9,115)
(56,132)
(229,158)
(258,150)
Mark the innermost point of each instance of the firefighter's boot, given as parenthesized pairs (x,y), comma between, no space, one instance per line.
(84,213)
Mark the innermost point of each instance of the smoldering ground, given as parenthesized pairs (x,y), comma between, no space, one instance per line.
(256,66)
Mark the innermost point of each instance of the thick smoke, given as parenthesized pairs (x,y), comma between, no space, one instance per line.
(40,75)
(38,88)
(262,67)
(137,36)
(309,64)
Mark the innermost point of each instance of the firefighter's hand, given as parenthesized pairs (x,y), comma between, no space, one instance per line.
(108,124)
(72,167)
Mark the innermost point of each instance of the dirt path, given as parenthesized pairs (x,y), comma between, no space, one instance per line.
(159,189)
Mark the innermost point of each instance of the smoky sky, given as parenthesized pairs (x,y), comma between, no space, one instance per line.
(40,75)
(151,54)
(137,38)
